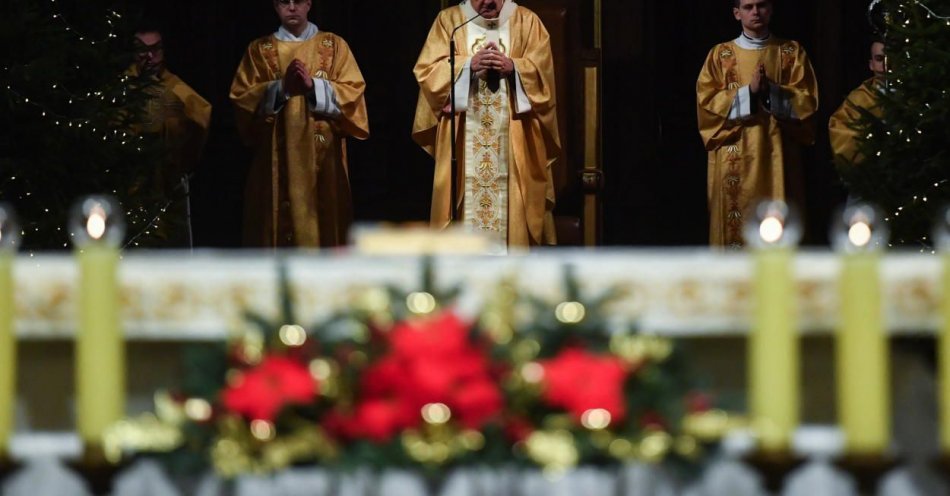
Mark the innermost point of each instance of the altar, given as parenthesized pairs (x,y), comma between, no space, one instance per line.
(702,302)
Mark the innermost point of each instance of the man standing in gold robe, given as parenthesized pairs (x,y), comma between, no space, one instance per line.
(507,121)
(756,99)
(844,137)
(181,117)
(298,94)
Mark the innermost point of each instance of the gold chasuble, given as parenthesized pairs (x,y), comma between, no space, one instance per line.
(508,136)
(844,138)
(298,191)
(753,143)
(181,117)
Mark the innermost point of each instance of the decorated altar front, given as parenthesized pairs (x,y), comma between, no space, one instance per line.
(699,302)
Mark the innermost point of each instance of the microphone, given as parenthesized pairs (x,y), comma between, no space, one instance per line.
(454,155)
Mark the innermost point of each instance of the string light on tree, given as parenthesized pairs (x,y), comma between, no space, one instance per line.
(73,120)
(905,169)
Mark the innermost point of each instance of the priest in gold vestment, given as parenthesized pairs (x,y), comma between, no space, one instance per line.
(507,139)
(181,117)
(864,99)
(756,100)
(298,95)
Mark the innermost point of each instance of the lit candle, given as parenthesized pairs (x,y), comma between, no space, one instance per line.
(942,236)
(9,241)
(862,350)
(98,229)
(773,349)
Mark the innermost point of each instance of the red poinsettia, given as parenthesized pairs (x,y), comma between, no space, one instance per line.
(578,381)
(698,402)
(262,392)
(430,360)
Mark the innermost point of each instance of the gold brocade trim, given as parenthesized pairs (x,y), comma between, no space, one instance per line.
(325,49)
(732,183)
(486,179)
(161,105)
(164,301)
(788,60)
(480,43)
(272,58)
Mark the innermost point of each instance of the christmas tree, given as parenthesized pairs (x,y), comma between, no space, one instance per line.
(907,167)
(68,113)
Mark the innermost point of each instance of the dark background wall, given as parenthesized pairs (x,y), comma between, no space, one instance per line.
(652,51)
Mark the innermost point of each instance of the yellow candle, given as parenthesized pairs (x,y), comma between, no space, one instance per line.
(773,351)
(944,357)
(8,361)
(100,352)
(862,353)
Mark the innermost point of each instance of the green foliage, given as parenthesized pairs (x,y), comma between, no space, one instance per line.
(907,169)
(67,116)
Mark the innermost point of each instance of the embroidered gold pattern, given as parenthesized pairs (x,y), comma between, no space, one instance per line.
(325,52)
(482,40)
(161,106)
(485,175)
(732,183)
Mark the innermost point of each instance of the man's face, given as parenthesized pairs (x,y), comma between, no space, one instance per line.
(754,15)
(292,13)
(877,64)
(150,55)
(489,9)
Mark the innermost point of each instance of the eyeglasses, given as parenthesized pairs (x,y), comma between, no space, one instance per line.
(142,48)
(286,3)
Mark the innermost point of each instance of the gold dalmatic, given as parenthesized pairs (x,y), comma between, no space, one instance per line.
(754,157)
(844,136)
(298,190)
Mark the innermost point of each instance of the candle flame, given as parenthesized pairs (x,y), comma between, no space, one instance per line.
(771,230)
(96,223)
(570,312)
(436,413)
(860,234)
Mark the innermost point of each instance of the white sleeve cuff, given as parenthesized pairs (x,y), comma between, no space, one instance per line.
(463,86)
(522,103)
(742,105)
(274,98)
(324,99)
(780,104)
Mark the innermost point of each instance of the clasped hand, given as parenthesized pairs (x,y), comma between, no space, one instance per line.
(760,81)
(490,58)
(297,80)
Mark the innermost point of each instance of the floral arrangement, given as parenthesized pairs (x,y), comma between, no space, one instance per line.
(405,380)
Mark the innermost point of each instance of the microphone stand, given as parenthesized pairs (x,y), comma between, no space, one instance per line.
(454,155)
